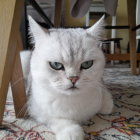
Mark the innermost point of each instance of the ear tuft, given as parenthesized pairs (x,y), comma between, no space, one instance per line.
(35,30)
(97,30)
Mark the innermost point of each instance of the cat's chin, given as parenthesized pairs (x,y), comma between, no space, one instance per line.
(72,92)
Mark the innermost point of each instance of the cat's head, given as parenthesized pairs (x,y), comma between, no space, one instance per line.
(67,60)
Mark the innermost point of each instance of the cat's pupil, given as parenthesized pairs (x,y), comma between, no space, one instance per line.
(87,64)
(57,64)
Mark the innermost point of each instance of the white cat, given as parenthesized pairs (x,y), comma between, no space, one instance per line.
(66,69)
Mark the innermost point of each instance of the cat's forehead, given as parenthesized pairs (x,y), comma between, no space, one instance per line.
(72,39)
(69,45)
(68,36)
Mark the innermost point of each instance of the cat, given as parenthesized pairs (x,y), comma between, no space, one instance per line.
(65,78)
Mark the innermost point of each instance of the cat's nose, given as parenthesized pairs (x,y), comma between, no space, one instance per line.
(73,79)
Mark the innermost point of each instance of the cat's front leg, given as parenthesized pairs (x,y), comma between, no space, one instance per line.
(67,130)
(107,103)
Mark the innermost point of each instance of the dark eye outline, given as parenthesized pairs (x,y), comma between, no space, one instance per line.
(90,65)
(55,68)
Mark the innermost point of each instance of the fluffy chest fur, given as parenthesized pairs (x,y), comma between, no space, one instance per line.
(78,107)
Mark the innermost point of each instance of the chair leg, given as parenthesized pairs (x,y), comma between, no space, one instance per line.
(139,68)
(17,85)
(57,16)
(10,11)
(131,9)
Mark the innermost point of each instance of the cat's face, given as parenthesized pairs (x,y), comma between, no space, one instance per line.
(67,60)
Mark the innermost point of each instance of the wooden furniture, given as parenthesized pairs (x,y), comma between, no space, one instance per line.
(131,8)
(108,42)
(10,12)
(132,56)
(97,9)
(10,45)
(111,46)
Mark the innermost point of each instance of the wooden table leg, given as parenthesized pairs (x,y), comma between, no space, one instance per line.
(139,68)
(58,10)
(17,84)
(131,10)
(10,11)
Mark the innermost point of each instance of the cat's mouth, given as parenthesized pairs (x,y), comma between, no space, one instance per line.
(73,88)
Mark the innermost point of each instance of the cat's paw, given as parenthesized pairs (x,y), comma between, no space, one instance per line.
(107,105)
(73,132)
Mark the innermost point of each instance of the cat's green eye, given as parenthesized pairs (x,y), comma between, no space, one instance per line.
(87,64)
(56,65)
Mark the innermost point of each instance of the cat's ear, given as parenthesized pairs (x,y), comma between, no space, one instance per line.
(35,30)
(98,28)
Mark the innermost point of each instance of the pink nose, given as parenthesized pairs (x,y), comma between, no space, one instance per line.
(73,79)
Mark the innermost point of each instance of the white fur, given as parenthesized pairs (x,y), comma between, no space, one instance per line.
(51,102)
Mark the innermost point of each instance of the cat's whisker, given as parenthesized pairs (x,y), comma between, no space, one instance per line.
(62,86)
(24,108)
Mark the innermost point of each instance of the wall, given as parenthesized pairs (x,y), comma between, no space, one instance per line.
(121,20)
(68,19)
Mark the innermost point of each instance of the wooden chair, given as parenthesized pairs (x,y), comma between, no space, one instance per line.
(116,45)
(132,56)
(10,46)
